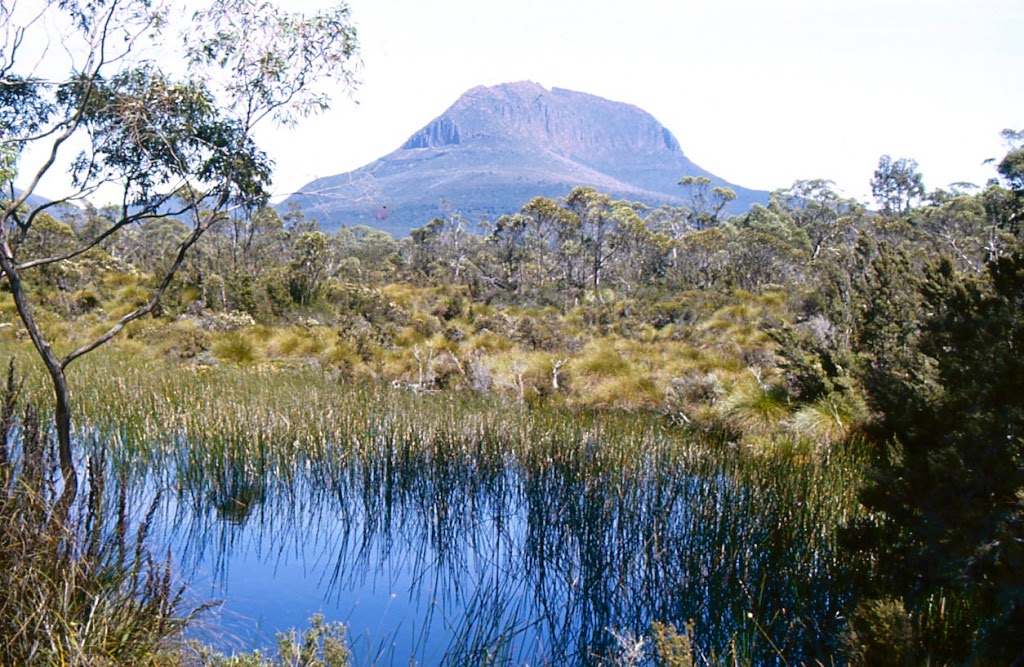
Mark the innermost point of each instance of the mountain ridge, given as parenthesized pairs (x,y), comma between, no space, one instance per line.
(497,147)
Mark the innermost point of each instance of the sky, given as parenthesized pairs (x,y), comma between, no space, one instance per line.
(759,92)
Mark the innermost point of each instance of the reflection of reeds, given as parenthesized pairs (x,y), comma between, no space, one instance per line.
(83,590)
(605,520)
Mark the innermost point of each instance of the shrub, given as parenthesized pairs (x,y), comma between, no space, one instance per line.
(321,645)
(673,648)
(425,325)
(880,634)
(537,334)
(187,342)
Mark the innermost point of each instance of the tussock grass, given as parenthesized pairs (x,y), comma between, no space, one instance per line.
(755,408)
(603,360)
(830,419)
(235,347)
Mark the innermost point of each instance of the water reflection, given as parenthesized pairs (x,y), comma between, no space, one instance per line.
(447,559)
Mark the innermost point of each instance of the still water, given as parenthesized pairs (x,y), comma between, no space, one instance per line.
(444,562)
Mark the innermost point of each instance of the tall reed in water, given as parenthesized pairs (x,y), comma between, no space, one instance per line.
(627,519)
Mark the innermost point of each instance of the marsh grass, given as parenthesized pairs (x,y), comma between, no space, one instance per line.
(86,591)
(630,519)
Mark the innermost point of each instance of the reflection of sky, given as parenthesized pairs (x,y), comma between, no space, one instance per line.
(398,596)
(429,558)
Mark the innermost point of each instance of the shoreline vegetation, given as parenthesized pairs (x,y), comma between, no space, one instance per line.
(241,435)
(792,435)
(810,382)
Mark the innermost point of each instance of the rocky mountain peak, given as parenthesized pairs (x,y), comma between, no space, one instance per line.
(499,146)
(574,125)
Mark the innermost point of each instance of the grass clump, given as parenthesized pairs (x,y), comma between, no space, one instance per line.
(322,644)
(830,419)
(755,408)
(83,591)
(235,347)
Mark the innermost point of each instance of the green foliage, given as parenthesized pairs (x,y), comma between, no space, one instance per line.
(880,633)
(673,648)
(308,267)
(951,480)
(706,203)
(1011,167)
(322,644)
(897,185)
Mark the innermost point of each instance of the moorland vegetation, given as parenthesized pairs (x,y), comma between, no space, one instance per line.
(869,357)
(812,320)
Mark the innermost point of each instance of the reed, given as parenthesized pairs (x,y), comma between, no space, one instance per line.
(86,591)
(652,522)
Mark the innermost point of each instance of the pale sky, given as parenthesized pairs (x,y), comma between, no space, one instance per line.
(760,92)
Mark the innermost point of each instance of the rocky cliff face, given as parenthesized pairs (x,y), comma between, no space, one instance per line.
(578,126)
(499,146)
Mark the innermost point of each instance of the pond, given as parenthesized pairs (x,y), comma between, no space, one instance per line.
(434,558)
(456,528)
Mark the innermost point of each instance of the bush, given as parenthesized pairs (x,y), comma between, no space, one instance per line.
(537,334)
(880,634)
(672,647)
(321,645)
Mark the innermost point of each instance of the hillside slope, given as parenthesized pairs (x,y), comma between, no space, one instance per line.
(497,147)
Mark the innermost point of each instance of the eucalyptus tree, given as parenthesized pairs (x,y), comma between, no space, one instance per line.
(959,227)
(897,185)
(309,267)
(1011,168)
(826,217)
(706,204)
(159,143)
(508,246)
(643,253)
(365,254)
(599,230)
(547,223)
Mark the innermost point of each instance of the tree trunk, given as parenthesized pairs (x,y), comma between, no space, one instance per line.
(62,410)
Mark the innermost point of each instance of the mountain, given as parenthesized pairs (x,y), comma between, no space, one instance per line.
(33,200)
(63,211)
(497,147)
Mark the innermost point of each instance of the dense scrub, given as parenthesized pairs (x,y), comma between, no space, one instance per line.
(811,323)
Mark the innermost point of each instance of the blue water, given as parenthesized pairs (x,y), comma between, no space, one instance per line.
(441,564)
(407,581)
